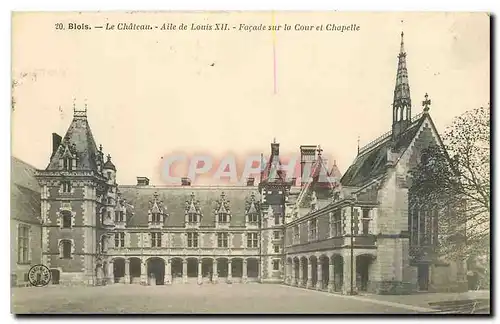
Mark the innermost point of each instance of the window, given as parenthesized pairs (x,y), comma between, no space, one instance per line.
(192,218)
(109,175)
(277,219)
(156,239)
(66,249)
(252,240)
(253,218)
(66,219)
(119,239)
(222,239)
(192,240)
(156,218)
(276,264)
(23,243)
(296,234)
(366,221)
(276,249)
(67,164)
(119,216)
(313,229)
(276,235)
(110,201)
(336,224)
(66,186)
(223,217)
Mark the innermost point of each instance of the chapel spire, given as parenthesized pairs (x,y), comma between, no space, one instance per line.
(401,105)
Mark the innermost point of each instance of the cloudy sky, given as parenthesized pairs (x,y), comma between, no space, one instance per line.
(153,93)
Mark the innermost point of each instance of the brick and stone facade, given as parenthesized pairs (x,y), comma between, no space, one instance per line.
(350,233)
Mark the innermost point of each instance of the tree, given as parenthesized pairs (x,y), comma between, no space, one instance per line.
(455,178)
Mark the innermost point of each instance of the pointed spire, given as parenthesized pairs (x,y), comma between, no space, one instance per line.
(401,105)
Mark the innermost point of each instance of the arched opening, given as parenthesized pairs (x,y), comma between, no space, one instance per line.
(289,271)
(423,277)
(222,268)
(314,270)
(156,271)
(296,265)
(304,271)
(135,270)
(119,269)
(176,268)
(236,269)
(324,263)
(55,276)
(207,268)
(363,263)
(192,268)
(338,270)
(252,269)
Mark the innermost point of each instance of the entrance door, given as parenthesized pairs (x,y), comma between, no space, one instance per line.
(423,277)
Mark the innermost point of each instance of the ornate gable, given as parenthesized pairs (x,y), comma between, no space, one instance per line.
(192,210)
(222,210)
(252,209)
(156,212)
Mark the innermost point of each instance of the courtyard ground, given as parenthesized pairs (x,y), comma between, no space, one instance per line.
(237,298)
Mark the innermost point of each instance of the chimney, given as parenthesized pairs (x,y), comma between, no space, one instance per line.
(142,181)
(307,158)
(250,182)
(185,181)
(56,141)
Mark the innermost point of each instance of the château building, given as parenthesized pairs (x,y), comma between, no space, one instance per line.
(356,234)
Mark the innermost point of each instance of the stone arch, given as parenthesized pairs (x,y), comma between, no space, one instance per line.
(155,271)
(252,269)
(177,268)
(314,270)
(207,269)
(324,263)
(192,267)
(363,264)
(337,260)
(119,269)
(222,267)
(304,266)
(237,269)
(296,271)
(135,270)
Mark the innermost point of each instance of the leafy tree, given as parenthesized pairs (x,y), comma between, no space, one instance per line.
(455,178)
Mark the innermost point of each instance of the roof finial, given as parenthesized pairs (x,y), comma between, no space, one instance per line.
(74,104)
(85,104)
(319,149)
(109,157)
(358,143)
(100,147)
(274,140)
(426,103)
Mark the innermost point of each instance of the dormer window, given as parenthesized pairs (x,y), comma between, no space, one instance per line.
(119,216)
(193,218)
(253,218)
(156,218)
(67,164)
(223,217)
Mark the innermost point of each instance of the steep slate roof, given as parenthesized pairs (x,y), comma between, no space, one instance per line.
(79,135)
(372,163)
(24,192)
(174,199)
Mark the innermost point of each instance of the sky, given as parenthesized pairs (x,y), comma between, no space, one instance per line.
(150,94)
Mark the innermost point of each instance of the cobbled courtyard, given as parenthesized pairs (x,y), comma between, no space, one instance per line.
(222,298)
